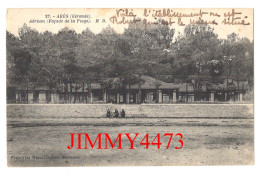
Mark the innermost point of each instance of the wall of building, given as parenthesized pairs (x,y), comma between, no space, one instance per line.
(97,96)
(143,110)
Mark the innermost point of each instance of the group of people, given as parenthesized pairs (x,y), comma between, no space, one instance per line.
(115,114)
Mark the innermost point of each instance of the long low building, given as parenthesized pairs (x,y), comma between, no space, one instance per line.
(150,90)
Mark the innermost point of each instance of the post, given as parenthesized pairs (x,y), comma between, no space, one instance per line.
(127,97)
(30,97)
(52,97)
(55,98)
(174,96)
(42,97)
(71,98)
(147,97)
(240,96)
(192,98)
(212,96)
(117,98)
(160,96)
(105,96)
(17,97)
(139,93)
(91,97)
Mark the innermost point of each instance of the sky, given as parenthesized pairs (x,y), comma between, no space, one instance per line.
(97,19)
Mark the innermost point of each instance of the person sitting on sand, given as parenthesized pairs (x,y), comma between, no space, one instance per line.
(123,113)
(116,114)
(108,113)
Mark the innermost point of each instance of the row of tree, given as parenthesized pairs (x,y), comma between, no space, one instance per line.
(195,57)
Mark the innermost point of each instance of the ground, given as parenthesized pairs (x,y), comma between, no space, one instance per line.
(207,141)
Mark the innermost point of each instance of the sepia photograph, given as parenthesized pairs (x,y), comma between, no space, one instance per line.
(129,87)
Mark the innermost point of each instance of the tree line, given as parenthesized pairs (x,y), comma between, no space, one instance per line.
(197,57)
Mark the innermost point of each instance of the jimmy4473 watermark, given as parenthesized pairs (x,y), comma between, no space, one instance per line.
(106,138)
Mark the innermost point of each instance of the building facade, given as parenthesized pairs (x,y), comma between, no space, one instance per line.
(149,91)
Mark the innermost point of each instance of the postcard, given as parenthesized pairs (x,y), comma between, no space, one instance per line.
(130,87)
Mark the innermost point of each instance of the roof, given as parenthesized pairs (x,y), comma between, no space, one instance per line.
(146,83)
(152,83)
(232,86)
(31,86)
(182,88)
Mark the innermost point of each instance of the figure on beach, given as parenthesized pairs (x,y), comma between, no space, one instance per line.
(108,113)
(123,113)
(116,113)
